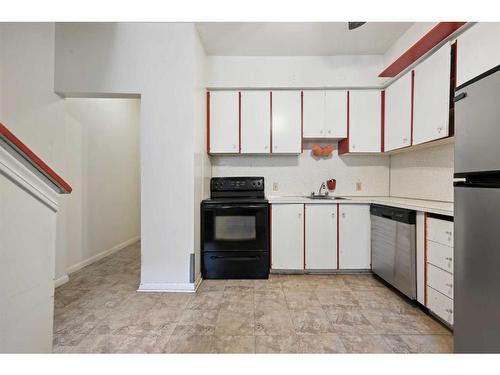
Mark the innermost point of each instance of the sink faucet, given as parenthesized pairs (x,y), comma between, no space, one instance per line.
(321,187)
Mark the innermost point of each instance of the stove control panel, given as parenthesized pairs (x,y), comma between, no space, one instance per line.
(237,184)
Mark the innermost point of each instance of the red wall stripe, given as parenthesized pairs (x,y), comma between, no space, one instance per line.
(34,160)
(302,121)
(304,236)
(435,36)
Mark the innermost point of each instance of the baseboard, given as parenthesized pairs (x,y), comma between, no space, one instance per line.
(61,280)
(101,255)
(168,287)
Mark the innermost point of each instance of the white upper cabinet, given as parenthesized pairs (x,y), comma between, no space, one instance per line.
(321,236)
(336,114)
(314,114)
(286,122)
(477,50)
(365,121)
(398,113)
(287,244)
(224,122)
(325,114)
(354,232)
(432,97)
(255,122)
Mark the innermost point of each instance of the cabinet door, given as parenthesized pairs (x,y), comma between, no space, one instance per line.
(477,51)
(354,240)
(287,122)
(321,236)
(224,122)
(432,97)
(364,121)
(287,246)
(314,114)
(255,122)
(336,114)
(398,113)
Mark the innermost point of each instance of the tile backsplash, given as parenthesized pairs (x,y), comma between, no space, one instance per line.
(301,174)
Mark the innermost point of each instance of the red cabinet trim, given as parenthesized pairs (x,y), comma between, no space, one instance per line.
(430,40)
(304,223)
(208,122)
(302,121)
(344,143)
(338,237)
(239,121)
(412,103)
(425,258)
(271,122)
(382,121)
(34,161)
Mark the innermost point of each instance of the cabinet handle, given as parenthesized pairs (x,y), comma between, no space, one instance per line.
(448,258)
(329,131)
(448,233)
(449,285)
(300,215)
(265,147)
(405,140)
(321,132)
(449,311)
(343,214)
(333,215)
(353,146)
(440,129)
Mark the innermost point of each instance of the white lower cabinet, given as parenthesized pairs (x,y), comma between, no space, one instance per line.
(321,236)
(354,236)
(287,236)
(439,268)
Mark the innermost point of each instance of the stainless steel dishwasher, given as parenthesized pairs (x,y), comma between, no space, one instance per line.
(394,247)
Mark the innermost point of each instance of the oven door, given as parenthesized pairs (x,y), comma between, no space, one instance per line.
(235,227)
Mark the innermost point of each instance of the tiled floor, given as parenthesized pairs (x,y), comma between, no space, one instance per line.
(99,311)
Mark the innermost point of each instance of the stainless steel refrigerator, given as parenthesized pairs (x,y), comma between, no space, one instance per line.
(477,215)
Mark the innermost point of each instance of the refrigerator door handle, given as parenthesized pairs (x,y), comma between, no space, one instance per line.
(460,97)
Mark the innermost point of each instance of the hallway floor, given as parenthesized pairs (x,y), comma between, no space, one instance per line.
(99,311)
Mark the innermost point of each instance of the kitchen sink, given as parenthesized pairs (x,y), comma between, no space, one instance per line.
(324,197)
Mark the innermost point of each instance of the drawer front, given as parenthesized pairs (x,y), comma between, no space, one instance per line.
(440,280)
(440,305)
(440,231)
(440,255)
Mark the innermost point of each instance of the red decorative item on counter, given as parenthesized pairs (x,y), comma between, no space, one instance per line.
(331,184)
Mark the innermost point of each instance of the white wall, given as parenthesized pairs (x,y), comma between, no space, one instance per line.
(30,108)
(294,71)
(302,174)
(105,204)
(159,62)
(423,174)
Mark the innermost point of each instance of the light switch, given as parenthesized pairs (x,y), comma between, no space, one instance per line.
(276,186)
(358,186)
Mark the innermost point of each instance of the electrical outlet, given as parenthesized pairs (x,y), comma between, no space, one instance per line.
(276,186)
(358,186)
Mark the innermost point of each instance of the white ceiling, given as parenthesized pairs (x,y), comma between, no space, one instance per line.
(298,38)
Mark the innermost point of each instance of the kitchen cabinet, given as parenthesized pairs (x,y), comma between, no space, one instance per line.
(255,122)
(364,122)
(439,268)
(354,236)
(224,122)
(320,236)
(398,111)
(477,50)
(432,97)
(287,236)
(325,114)
(286,122)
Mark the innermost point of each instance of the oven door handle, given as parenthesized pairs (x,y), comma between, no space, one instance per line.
(232,258)
(225,207)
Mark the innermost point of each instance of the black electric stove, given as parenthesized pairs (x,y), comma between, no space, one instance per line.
(235,229)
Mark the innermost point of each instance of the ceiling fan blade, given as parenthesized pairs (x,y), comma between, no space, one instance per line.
(355,25)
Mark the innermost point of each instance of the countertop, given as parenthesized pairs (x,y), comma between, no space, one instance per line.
(436,207)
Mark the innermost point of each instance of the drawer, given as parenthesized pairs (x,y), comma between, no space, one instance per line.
(440,231)
(440,305)
(440,280)
(440,255)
